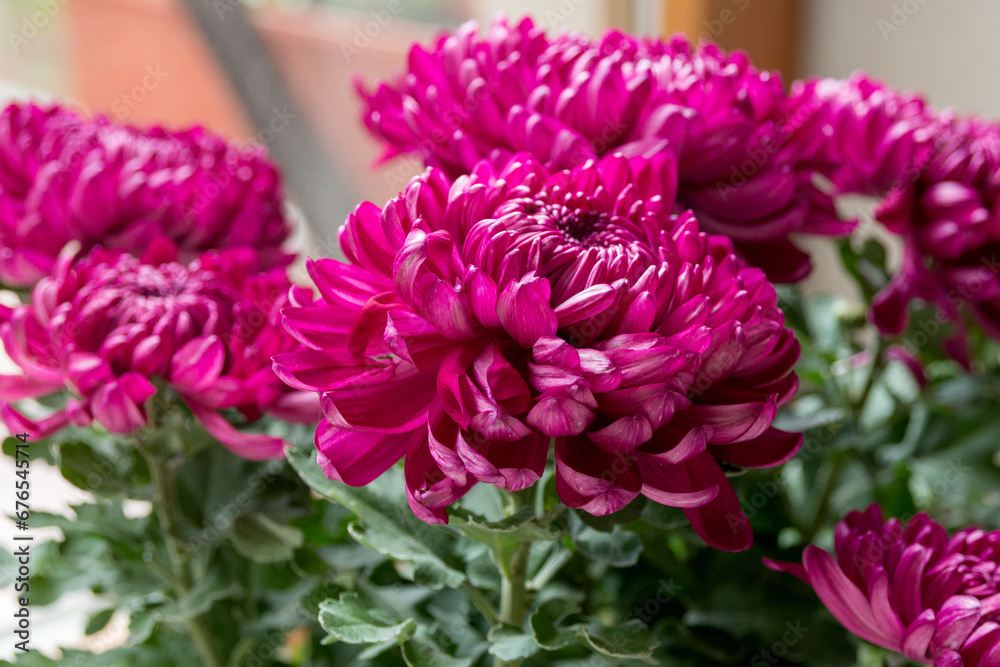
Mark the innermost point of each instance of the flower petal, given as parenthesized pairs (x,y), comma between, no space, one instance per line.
(197,364)
(848,604)
(524,310)
(356,457)
(591,480)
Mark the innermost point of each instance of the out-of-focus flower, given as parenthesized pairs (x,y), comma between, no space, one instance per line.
(949,218)
(938,178)
(566,99)
(865,136)
(65,178)
(911,589)
(478,320)
(106,326)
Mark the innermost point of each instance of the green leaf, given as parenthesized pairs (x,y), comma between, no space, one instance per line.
(140,627)
(386,523)
(205,593)
(508,642)
(619,548)
(519,527)
(264,540)
(347,619)
(824,325)
(627,640)
(98,621)
(420,652)
(43,449)
(867,267)
(375,650)
(547,625)
(86,469)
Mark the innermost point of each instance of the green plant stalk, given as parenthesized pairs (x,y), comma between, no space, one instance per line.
(481,603)
(830,474)
(514,578)
(877,368)
(166,515)
(514,589)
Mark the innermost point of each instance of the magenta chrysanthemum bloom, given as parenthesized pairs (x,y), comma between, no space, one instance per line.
(867,137)
(567,99)
(938,178)
(64,178)
(478,320)
(949,217)
(106,326)
(910,588)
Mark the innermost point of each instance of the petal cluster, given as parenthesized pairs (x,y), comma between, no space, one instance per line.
(911,588)
(937,178)
(566,99)
(479,320)
(108,325)
(64,178)
(866,137)
(949,218)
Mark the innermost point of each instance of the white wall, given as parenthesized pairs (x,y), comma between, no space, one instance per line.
(947,49)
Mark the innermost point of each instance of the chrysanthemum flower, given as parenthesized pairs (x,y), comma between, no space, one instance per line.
(478,320)
(910,588)
(938,178)
(868,138)
(64,178)
(567,99)
(949,217)
(106,326)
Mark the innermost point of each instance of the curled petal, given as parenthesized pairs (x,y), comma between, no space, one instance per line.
(589,479)
(844,600)
(391,399)
(428,490)
(357,458)
(524,311)
(771,448)
(720,522)
(513,466)
(253,446)
(559,416)
(197,364)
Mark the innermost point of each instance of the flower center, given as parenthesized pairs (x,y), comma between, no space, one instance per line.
(166,281)
(584,228)
(575,234)
(128,302)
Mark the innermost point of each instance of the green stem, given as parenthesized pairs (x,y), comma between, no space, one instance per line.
(551,567)
(829,485)
(163,506)
(166,515)
(514,583)
(552,515)
(859,405)
(481,603)
(514,590)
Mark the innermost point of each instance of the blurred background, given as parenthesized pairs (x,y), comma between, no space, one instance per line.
(288,79)
(279,72)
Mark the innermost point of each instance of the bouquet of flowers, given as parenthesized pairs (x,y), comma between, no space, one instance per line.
(621,420)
